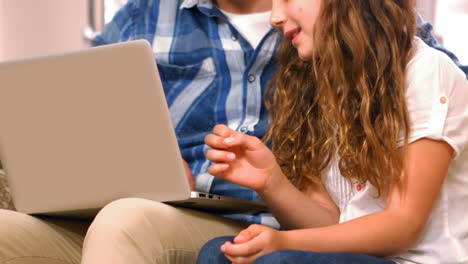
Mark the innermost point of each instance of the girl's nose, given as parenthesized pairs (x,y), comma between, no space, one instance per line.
(277,17)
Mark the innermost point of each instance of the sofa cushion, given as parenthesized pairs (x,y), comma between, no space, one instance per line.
(5,198)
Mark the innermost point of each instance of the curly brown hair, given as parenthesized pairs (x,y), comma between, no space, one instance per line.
(348,101)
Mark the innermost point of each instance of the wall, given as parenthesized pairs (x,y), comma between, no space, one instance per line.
(451,24)
(1,29)
(427,9)
(40,27)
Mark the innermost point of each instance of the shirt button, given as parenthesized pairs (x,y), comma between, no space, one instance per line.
(251,78)
(358,187)
(244,129)
(443,100)
(234,38)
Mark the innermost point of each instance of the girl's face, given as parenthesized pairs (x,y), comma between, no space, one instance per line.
(296,18)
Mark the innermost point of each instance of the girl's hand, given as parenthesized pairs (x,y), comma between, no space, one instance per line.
(252,243)
(241,159)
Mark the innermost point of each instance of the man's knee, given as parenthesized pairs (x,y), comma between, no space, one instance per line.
(147,231)
(131,220)
(126,214)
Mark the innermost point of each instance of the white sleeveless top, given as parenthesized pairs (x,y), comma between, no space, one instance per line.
(431,76)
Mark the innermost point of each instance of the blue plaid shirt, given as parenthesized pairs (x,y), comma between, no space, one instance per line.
(210,74)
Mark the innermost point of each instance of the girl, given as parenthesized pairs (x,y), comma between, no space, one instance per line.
(369,132)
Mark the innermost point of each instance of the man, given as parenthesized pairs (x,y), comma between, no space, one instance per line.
(215,59)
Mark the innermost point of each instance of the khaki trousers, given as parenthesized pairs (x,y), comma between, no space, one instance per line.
(125,231)
(30,240)
(141,231)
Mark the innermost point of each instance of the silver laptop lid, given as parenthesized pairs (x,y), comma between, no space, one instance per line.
(73,127)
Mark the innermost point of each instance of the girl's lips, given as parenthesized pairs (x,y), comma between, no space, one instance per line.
(295,40)
(293,35)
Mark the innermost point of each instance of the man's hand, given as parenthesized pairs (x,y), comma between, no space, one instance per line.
(252,243)
(189,175)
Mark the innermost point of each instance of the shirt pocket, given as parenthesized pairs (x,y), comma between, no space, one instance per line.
(185,84)
(177,77)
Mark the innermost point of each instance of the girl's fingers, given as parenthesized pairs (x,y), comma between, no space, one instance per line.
(242,260)
(224,137)
(223,130)
(245,257)
(218,169)
(220,156)
(223,141)
(250,248)
(215,141)
(244,141)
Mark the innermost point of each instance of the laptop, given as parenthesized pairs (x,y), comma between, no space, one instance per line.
(82,129)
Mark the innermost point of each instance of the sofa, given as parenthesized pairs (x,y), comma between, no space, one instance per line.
(5,198)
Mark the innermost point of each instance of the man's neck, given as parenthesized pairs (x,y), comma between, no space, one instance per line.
(244,6)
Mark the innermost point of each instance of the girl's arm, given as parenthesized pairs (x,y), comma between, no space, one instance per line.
(297,210)
(397,228)
(245,160)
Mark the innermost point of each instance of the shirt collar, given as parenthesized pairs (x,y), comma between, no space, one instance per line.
(206,7)
(199,3)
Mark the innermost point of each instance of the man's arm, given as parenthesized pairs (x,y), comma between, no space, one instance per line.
(117,30)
